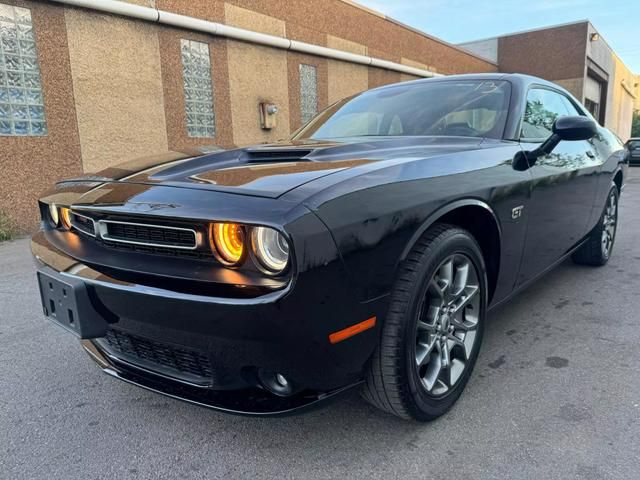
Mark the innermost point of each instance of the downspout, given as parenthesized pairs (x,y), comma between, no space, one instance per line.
(218,29)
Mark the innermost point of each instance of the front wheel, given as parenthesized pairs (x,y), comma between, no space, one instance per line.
(597,249)
(433,330)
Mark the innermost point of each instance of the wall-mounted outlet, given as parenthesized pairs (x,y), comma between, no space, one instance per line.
(268,114)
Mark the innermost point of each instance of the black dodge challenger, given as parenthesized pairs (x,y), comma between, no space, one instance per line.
(363,252)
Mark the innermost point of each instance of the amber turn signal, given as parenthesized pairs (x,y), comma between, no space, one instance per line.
(227,240)
(65,217)
(352,330)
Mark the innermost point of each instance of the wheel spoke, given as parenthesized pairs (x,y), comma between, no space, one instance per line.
(461,278)
(466,296)
(423,352)
(453,342)
(446,377)
(425,327)
(438,288)
(446,358)
(458,322)
(432,373)
(445,278)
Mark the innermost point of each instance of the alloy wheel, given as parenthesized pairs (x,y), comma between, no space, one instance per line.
(447,324)
(609,223)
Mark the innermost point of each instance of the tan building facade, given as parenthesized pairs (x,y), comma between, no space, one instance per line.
(576,57)
(636,105)
(105,88)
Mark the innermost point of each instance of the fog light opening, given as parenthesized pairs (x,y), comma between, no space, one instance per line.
(276,383)
(281,380)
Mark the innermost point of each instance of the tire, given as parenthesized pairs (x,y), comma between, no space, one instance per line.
(599,245)
(400,376)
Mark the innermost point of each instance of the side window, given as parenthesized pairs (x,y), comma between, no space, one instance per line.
(571,108)
(543,107)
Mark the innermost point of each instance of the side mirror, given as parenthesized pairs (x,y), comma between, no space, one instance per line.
(564,128)
(575,128)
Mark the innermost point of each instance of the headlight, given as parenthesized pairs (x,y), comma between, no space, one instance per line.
(270,248)
(65,217)
(228,241)
(53,214)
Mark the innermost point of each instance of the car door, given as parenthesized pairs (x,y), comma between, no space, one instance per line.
(563,184)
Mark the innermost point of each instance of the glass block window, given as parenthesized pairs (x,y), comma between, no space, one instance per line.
(308,92)
(198,90)
(21,105)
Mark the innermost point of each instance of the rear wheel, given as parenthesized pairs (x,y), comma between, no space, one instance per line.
(432,333)
(599,245)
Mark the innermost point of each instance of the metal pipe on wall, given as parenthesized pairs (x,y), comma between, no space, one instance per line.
(150,14)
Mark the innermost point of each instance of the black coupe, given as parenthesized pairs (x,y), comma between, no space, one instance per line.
(365,251)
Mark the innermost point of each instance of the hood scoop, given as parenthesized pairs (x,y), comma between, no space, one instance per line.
(275,155)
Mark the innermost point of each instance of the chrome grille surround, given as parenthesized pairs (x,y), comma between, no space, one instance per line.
(79,226)
(103,229)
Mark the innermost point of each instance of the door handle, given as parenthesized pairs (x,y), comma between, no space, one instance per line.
(590,154)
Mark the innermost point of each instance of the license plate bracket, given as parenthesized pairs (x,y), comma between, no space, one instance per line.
(66,302)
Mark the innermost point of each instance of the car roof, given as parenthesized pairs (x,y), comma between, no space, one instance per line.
(519,79)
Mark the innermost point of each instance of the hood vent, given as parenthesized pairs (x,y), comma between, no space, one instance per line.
(284,155)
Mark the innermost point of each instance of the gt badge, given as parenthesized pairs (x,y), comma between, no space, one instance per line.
(516,212)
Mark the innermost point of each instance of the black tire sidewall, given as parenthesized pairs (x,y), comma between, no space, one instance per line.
(453,242)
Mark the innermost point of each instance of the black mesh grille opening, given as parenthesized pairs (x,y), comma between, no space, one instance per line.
(167,251)
(151,234)
(179,361)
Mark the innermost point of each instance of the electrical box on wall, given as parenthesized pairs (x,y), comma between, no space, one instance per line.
(268,114)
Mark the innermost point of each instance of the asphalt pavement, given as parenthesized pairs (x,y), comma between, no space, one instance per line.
(555,395)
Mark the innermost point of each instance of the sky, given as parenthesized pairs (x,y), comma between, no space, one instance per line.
(456,21)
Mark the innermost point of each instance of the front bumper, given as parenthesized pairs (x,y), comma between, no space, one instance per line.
(251,402)
(284,331)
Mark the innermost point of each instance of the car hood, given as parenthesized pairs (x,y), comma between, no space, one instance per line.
(273,170)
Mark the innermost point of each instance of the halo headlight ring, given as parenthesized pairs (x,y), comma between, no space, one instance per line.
(270,249)
(228,242)
(65,218)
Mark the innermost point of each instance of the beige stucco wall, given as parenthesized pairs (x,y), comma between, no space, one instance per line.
(404,77)
(256,74)
(623,101)
(345,79)
(117,87)
(636,103)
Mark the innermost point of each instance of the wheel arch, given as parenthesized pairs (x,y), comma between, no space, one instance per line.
(480,220)
(617,179)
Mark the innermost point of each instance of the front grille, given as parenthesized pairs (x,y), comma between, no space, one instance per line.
(83,224)
(152,235)
(176,361)
(165,251)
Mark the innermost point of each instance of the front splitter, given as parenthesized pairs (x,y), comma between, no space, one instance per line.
(249,402)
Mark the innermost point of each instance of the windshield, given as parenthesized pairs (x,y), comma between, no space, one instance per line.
(468,108)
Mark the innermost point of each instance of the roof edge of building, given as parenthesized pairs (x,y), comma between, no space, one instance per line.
(529,30)
(549,27)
